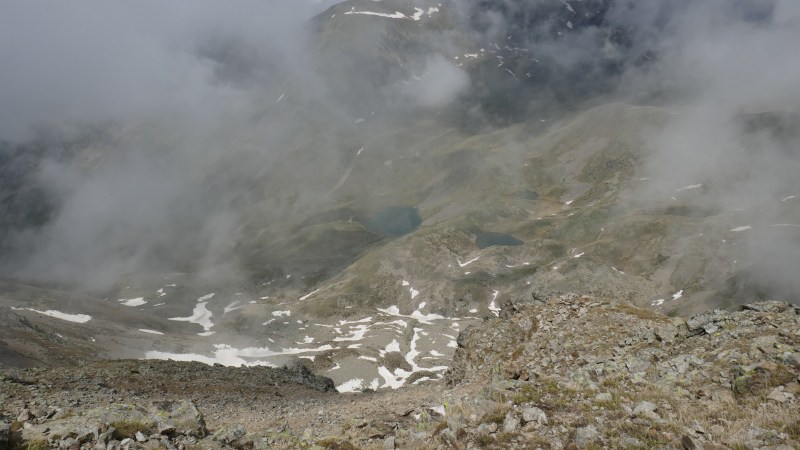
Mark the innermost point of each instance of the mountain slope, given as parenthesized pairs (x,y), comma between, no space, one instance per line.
(414,171)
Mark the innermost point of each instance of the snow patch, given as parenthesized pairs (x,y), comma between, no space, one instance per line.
(425,318)
(354,385)
(691,186)
(398,378)
(493,305)
(308,295)
(465,264)
(356,334)
(144,330)
(395,15)
(742,228)
(417,314)
(200,315)
(231,356)
(206,297)
(139,301)
(233,307)
(348,322)
(389,379)
(76,318)
(392,310)
(393,346)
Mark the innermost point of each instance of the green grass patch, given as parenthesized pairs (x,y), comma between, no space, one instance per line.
(336,444)
(759,381)
(497,415)
(37,445)
(128,428)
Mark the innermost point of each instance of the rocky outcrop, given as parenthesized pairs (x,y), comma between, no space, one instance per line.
(141,404)
(5,433)
(613,375)
(118,426)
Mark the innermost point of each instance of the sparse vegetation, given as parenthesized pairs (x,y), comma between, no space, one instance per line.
(650,435)
(759,380)
(642,313)
(128,428)
(15,426)
(497,415)
(793,430)
(38,444)
(336,444)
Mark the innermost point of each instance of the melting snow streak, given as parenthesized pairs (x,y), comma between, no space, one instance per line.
(77,318)
(201,316)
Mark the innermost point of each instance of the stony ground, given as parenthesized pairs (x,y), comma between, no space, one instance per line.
(572,372)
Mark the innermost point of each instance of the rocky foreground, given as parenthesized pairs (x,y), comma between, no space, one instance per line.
(570,372)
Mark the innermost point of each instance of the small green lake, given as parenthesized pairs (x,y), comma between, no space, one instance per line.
(486,239)
(392,221)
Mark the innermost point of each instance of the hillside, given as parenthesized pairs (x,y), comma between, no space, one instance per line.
(363,223)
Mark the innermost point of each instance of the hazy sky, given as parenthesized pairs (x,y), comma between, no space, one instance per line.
(88,60)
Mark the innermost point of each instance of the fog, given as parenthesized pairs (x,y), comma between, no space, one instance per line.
(92,61)
(439,84)
(167,87)
(725,72)
(735,127)
(184,95)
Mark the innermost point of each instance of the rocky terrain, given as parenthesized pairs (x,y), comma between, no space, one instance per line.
(360,231)
(569,372)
